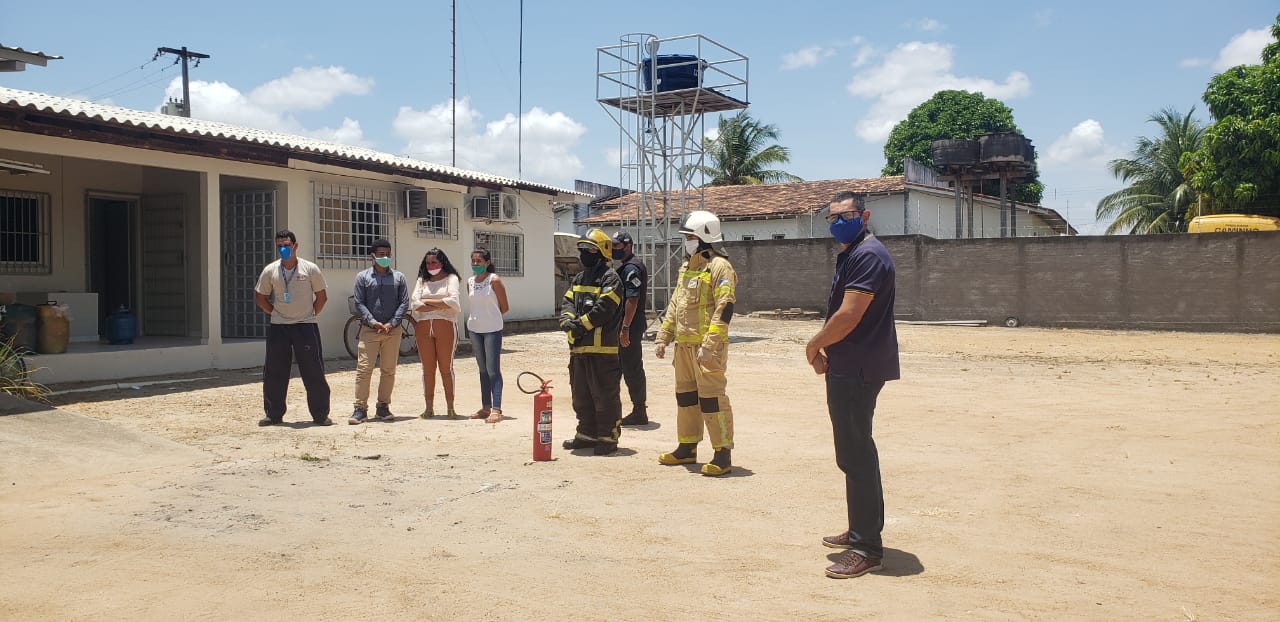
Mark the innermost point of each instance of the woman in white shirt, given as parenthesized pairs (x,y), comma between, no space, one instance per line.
(434,307)
(487,298)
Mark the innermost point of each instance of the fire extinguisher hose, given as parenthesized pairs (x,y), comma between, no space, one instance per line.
(546,384)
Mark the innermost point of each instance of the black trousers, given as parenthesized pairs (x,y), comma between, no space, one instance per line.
(851,402)
(597,396)
(286,343)
(632,358)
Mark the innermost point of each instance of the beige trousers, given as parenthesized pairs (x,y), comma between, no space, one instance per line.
(700,398)
(386,348)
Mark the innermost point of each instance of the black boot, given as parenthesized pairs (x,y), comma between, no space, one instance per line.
(638,416)
(578,443)
(685,453)
(720,464)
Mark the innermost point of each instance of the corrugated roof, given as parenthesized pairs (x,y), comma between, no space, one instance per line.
(755,201)
(790,199)
(154,121)
(4,47)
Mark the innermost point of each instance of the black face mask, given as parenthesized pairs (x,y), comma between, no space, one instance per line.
(588,258)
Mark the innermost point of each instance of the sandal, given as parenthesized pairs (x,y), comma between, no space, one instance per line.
(483,413)
(495,416)
(453,414)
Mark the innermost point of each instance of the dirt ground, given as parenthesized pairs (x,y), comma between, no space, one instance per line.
(1028,474)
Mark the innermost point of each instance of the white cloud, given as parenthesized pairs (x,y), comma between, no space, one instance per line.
(1075,174)
(269,106)
(910,75)
(548,141)
(1193,62)
(806,57)
(311,88)
(1042,18)
(1243,49)
(864,55)
(1084,145)
(930,25)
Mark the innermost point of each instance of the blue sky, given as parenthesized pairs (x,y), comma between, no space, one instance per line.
(1081,78)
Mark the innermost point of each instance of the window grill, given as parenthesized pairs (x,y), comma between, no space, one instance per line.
(438,221)
(24,233)
(506,249)
(349,219)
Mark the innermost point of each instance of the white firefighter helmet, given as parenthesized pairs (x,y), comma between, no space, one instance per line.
(703,224)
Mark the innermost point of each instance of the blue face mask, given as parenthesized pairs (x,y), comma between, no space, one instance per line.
(846,231)
(285,252)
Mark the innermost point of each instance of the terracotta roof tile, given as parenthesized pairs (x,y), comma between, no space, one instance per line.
(742,202)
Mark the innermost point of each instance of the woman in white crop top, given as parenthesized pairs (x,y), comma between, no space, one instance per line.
(434,306)
(487,302)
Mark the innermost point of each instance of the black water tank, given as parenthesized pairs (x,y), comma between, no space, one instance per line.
(955,152)
(686,75)
(1006,147)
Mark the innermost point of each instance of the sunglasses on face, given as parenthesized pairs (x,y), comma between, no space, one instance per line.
(848,215)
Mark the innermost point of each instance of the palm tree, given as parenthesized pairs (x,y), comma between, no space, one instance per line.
(1158,198)
(741,154)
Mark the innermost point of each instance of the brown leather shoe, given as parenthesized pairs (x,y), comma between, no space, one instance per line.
(852,564)
(837,542)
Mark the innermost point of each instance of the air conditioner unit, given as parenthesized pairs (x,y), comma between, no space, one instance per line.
(505,206)
(482,208)
(415,204)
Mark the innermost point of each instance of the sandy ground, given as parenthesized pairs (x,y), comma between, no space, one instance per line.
(1029,474)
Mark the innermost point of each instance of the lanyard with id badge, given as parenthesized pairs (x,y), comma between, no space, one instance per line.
(286,277)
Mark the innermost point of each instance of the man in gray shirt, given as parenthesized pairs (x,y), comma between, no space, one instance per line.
(292,291)
(382,299)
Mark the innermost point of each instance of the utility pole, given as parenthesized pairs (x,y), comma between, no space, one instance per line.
(186,89)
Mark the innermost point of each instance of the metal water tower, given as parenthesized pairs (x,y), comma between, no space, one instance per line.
(1006,156)
(657,91)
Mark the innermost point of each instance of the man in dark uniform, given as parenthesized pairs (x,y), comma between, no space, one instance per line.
(635,286)
(591,317)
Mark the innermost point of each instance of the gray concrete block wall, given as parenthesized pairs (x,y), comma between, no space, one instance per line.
(1228,281)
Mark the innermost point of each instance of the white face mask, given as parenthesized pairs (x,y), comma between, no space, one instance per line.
(434,271)
(691,246)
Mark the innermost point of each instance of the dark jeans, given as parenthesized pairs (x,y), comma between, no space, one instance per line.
(851,404)
(487,348)
(597,396)
(633,365)
(285,343)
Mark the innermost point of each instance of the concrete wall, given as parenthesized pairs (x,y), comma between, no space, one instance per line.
(1223,282)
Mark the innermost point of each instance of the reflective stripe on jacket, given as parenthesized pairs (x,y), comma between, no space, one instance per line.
(702,302)
(595,300)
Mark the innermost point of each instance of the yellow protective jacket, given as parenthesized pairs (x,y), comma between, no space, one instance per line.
(702,302)
(595,301)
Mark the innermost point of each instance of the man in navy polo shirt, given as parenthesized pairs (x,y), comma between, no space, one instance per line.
(857,349)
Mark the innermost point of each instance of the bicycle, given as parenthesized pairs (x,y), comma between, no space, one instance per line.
(351,332)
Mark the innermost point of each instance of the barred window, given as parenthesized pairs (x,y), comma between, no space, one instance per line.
(24,233)
(748,238)
(507,250)
(438,222)
(779,236)
(348,220)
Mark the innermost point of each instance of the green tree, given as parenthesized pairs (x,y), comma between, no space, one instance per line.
(1237,167)
(744,152)
(953,115)
(1157,198)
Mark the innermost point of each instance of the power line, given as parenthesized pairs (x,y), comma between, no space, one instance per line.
(130,86)
(122,73)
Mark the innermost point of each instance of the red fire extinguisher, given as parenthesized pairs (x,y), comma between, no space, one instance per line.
(541,417)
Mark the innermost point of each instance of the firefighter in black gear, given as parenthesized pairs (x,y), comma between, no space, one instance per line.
(635,285)
(591,316)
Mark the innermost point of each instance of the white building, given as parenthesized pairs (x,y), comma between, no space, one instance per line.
(174,218)
(914,204)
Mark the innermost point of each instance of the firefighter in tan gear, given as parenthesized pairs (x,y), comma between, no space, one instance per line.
(697,319)
(591,316)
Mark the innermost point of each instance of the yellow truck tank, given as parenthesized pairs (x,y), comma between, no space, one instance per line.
(1220,223)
